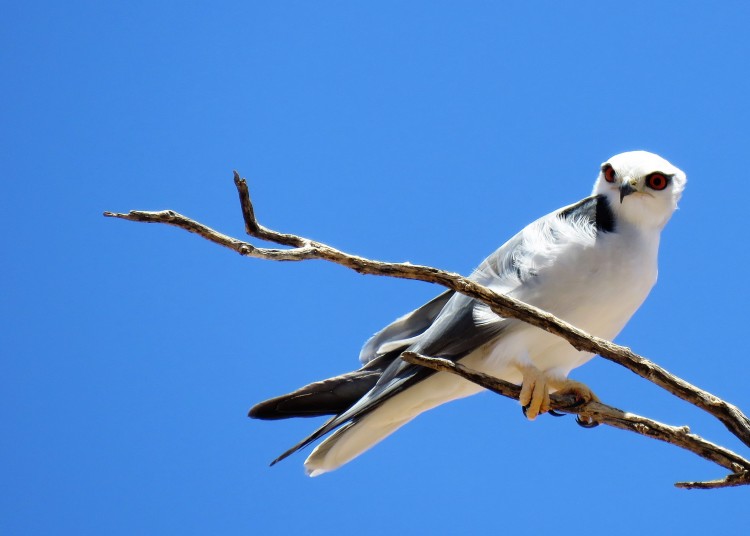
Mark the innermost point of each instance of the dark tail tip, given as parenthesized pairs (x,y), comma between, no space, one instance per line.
(256,412)
(269,410)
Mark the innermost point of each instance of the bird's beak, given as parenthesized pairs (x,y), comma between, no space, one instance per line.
(626,188)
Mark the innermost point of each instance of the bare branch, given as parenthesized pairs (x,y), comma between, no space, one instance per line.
(599,413)
(741,479)
(304,249)
(170,217)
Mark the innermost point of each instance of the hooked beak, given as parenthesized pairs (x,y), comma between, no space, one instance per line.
(626,188)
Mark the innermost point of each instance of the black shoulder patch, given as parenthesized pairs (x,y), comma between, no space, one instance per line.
(605,218)
(596,209)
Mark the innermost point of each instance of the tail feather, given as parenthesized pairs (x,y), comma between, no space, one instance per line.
(363,421)
(350,441)
(326,397)
(365,431)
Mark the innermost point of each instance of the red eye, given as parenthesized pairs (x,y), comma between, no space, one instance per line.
(657,181)
(609,173)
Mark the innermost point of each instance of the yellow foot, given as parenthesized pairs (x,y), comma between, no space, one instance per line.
(536,388)
(579,390)
(534,392)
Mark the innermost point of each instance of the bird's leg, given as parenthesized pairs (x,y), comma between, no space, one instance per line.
(534,391)
(536,387)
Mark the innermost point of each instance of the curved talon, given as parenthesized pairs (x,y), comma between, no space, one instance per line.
(556,414)
(524,409)
(586,424)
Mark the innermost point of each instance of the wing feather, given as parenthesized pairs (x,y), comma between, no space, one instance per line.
(402,332)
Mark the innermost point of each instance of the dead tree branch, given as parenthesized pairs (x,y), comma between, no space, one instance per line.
(304,249)
(599,413)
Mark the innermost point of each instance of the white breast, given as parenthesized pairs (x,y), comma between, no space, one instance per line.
(595,285)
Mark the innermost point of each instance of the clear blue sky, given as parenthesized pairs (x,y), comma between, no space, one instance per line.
(420,131)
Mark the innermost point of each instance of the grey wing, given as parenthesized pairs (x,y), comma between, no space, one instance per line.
(404,331)
(463,324)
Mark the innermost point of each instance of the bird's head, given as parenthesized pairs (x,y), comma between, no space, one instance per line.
(642,187)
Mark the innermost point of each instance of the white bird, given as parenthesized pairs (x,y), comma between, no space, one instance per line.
(591,264)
